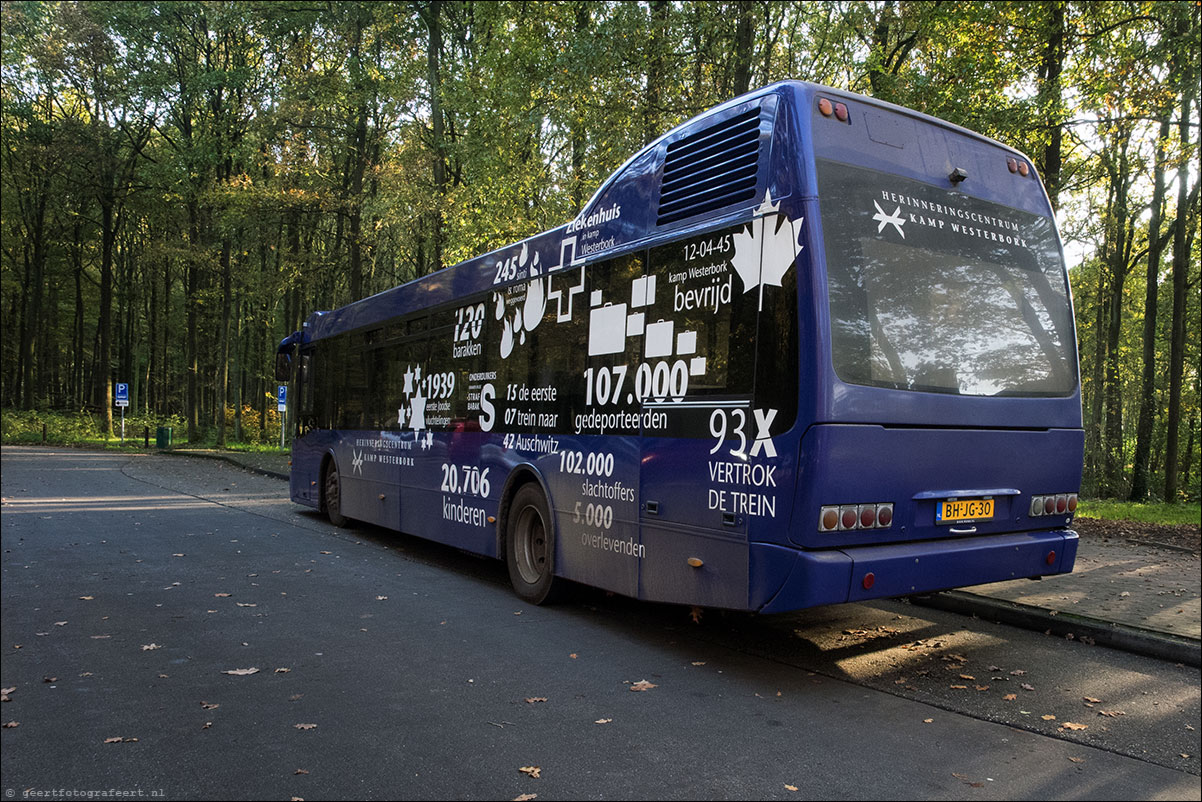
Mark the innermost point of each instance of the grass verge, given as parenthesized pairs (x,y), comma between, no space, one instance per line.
(1154,513)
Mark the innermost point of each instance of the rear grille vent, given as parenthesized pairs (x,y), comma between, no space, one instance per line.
(710,169)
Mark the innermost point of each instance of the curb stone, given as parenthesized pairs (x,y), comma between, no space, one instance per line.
(1146,642)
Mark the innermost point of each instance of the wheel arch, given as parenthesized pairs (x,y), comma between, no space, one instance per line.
(522,474)
(327,459)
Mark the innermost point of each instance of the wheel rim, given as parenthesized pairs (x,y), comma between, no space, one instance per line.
(530,554)
(333,502)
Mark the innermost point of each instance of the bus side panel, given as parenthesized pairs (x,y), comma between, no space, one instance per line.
(692,566)
(596,504)
(441,490)
(305,476)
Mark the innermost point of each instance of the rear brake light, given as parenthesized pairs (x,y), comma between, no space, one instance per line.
(844,517)
(1053,504)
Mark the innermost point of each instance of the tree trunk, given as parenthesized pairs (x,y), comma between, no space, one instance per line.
(104,359)
(1051,100)
(431,13)
(1181,257)
(1147,396)
(744,46)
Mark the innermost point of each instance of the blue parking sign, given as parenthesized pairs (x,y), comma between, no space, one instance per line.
(282,398)
(122,394)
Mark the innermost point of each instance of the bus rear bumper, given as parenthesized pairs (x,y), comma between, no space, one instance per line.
(874,572)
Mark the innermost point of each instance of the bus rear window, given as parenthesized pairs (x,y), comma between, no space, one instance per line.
(933,290)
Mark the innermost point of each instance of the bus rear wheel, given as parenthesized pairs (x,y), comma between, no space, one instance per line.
(332,488)
(530,546)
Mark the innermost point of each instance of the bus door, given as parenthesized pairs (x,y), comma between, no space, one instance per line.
(306,458)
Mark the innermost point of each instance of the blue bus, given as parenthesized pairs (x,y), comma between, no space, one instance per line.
(806,348)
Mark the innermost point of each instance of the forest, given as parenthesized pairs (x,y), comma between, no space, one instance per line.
(184,182)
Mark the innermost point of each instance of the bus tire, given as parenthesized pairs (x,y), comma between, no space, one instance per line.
(530,546)
(331,492)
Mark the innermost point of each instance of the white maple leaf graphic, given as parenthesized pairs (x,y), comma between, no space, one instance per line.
(763,256)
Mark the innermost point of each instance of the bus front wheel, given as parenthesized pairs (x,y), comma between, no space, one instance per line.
(530,546)
(332,487)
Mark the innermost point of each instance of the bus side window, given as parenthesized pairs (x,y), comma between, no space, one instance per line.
(713,316)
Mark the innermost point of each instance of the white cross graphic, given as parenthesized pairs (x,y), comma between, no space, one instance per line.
(894,220)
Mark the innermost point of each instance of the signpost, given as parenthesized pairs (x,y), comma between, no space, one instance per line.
(123,402)
(282,407)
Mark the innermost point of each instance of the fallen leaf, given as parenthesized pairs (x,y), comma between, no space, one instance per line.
(209,706)
(305,726)
(241,672)
(958,687)
(207,725)
(1077,759)
(525,797)
(967,676)
(603,721)
(49,679)
(10,724)
(643,685)
(301,771)
(532,699)
(699,663)
(790,787)
(150,647)
(1010,697)
(381,598)
(282,670)
(572,655)
(245,604)
(533,771)
(695,614)
(86,598)
(222,595)
(1048,718)
(100,637)
(60,623)
(1018,672)
(1068,725)
(1111,713)
(1091,700)
(1027,687)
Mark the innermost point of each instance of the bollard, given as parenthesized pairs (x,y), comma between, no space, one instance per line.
(145,437)
(43,434)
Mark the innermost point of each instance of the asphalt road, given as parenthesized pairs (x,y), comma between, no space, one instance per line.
(396,669)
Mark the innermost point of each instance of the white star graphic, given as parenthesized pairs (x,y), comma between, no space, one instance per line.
(357,462)
(884,219)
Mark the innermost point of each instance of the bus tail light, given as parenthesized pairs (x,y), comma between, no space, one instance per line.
(1053,504)
(844,517)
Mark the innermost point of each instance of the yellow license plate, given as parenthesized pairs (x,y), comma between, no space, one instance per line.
(964,510)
